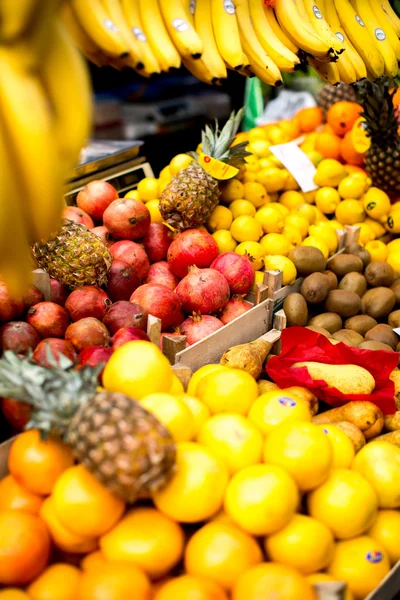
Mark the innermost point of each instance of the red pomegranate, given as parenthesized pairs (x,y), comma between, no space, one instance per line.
(237,270)
(32,296)
(125,314)
(161,273)
(73,213)
(161,302)
(58,292)
(10,308)
(133,255)
(87,301)
(103,233)
(235,307)
(16,413)
(157,241)
(19,337)
(56,347)
(122,281)
(93,356)
(203,291)
(87,332)
(192,247)
(128,334)
(95,197)
(49,319)
(127,219)
(198,327)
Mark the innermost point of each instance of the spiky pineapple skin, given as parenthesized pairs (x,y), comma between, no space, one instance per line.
(331,94)
(383,166)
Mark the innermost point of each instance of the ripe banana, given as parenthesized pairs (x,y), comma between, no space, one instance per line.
(386,24)
(114,11)
(394,19)
(80,37)
(131,12)
(276,28)
(158,36)
(284,58)
(204,27)
(226,32)
(199,68)
(321,26)
(15,18)
(347,72)
(328,71)
(182,32)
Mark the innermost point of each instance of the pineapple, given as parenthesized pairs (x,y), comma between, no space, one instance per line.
(125,447)
(191,196)
(75,256)
(331,94)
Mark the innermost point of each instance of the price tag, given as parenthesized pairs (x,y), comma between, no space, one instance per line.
(217,168)
(297,163)
(359,138)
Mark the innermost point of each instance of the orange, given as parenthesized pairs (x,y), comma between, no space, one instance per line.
(187,587)
(57,582)
(24,547)
(270,581)
(94,560)
(114,582)
(14,497)
(328,144)
(349,154)
(309,119)
(341,116)
(13,594)
(142,538)
(37,464)
(386,531)
(221,552)
(84,505)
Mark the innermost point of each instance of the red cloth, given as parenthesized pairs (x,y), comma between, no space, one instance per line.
(300,344)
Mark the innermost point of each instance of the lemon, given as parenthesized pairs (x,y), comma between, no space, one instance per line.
(199,410)
(336,225)
(265,163)
(274,407)
(379,462)
(351,187)
(233,439)
(153,207)
(329,173)
(220,218)
(292,234)
(303,450)
(366,233)
(254,499)
(319,242)
(176,387)
(376,203)
(231,190)
(162,184)
(148,189)
(386,531)
(282,209)
(255,193)
(249,176)
(327,199)
(258,278)
(392,224)
(253,167)
(272,178)
(254,251)
(276,243)
(260,148)
(231,390)
(179,162)
(343,449)
(246,229)
(394,247)
(326,578)
(320,217)
(309,197)
(251,159)
(307,211)
(225,241)
(258,133)
(298,222)
(291,183)
(165,173)
(242,207)
(270,219)
(277,135)
(304,543)
(327,233)
(394,261)
(173,413)
(378,251)
(291,199)
(315,157)
(350,212)
(132,194)
(199,374)
(284,264)
(376,227)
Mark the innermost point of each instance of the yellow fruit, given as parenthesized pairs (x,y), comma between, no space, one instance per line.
(260,148)
(271,581)
(378,251)
(196,491)
(329,173)
(376,227)
(148,189)
(350,212)
(231,190)
(303,450)
(345,502)
(266,162)
(327,233)
(228,391)
(153,207)
(320,217)
(304,544)
(258,133)
(253,167)
(336,225)
(270,219)
(366,233)
(164,173)
(317,241)
(255,193)
(379,462)
(137,382)
(315,157)
(298,222)
(291,183)
(176,387)
(254,251)
(199,374)
(246,229)
(200,412)
(376,203)
(327,199)
(57,582)
(220,218)
(291,199)
(276,243)
(282,209)
(394,247)
(233,439)
(386,531)
(225,241)
(179,162)
(351,187)
(273,179)
(258,279)
(292,234)
(309,197)
(392,223)
(277,135)
(13,594)
(284,264)
(242,207)
(274,407)
(132,194)
(253,499)
(163,182)
(394,261)
(173,413)
(362,563)
(307,211)
(249,176)
(343,449)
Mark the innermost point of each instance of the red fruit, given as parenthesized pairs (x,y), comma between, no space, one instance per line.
(125,314)
(133,255)
(73,213)
(161,273)
(87,301)
(103,233)
(95,197)
(237,270)
(127,219)
(235,307)
(93,356)
(10,308)
(198,327)
(17,413)
(128,334)
(203,291)
(49,319)
(161,302)
(58,292)
(192,247)
(157,241)
(87,332)
(122,281)
(19,337)
(32,296)
(56,347)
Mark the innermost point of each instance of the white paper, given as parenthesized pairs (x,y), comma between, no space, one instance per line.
(285,106)
(297,163)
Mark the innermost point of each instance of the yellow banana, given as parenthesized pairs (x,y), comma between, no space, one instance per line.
(284,58)
(131,12)
(15,18)
(226,31)
(347,72)
(276,28)
(158,36)
(178,22)
(387,25)
(199,69)
(328,71)
(114,11)
(204,27)
(321,26)
(394,19)
(80,37)
(360,37)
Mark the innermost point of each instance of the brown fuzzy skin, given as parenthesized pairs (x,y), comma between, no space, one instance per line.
(365,415)
(393,438)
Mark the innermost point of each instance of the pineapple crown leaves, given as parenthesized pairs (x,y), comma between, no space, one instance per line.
(376,99)
(217,143)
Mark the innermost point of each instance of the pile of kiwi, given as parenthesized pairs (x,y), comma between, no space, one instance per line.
(348,299)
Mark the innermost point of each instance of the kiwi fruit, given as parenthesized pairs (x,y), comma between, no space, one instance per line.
(394,319)
(329,321)
(396,289)
(348,337)
(384,334)
(320,330)
(332,279)
(307,260)
(358,250)
(379,274)
(371,345)
(378,302)
(345,263)
(354,282)
(345,304)
(296,310)
(315,288)
(360,323)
